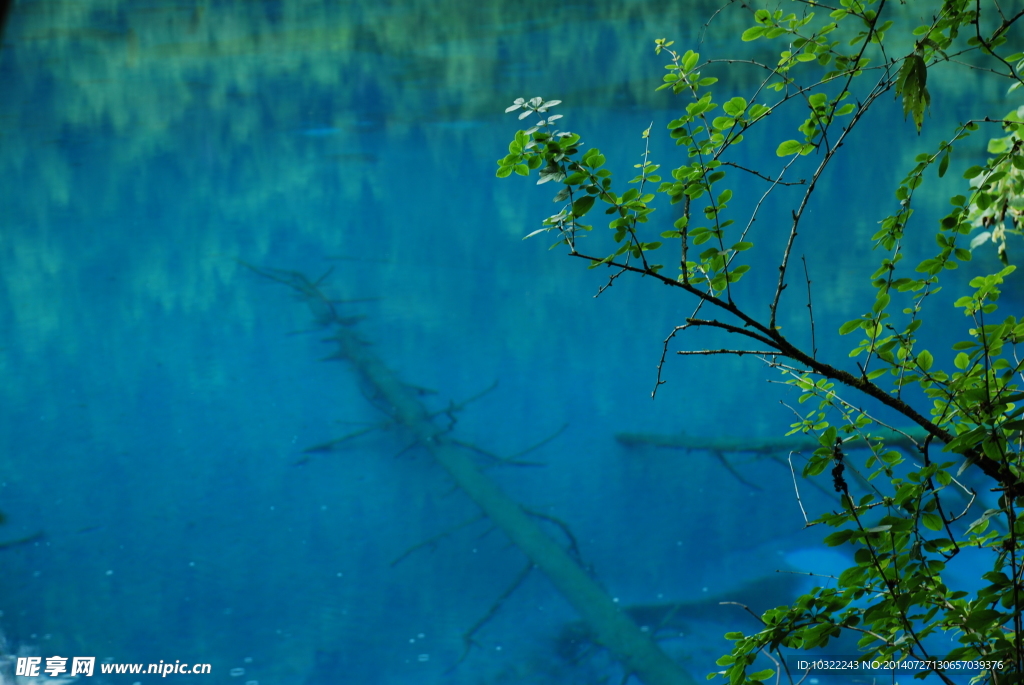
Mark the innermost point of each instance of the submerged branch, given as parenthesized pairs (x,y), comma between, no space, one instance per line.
(636,651)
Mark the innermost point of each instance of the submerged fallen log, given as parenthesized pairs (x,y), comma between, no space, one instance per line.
(908,438)
(609,626)
(739,608)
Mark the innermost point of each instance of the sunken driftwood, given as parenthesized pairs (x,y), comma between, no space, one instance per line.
(610,627)
(909,438)
(740,606)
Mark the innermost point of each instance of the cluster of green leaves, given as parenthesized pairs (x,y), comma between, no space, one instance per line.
(707,139)
(999,188)
(905,516)
(906,531)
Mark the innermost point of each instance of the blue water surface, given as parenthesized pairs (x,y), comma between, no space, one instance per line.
(158,395)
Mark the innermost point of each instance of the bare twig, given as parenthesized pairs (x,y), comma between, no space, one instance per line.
(704,28)
(765,177)
(796,488)
(745,608)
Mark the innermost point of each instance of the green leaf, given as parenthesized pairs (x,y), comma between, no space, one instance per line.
(932,521)
(997,146)
(972,172)
(735,106)
(881,302)
(837,538)
(790,147)
(581,206)
(690,60)
(911,84)
(757,111)
(924,360)
(722,123)
(982,618)
(944,164)
(850,326)
(753,33)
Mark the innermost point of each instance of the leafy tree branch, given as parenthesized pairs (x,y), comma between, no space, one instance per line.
(902,526)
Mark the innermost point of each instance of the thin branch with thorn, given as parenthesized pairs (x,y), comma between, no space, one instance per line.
(810,308)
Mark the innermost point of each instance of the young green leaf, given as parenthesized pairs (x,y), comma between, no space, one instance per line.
(790,147)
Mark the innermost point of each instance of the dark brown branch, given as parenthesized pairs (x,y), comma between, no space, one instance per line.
(715,323)
(775,339)
(738,353)
(773,181)
(829,153)
(707,24)
(810,308)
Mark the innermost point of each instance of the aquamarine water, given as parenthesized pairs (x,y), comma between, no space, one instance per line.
(157,396)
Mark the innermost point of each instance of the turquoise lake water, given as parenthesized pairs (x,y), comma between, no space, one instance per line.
(158,396)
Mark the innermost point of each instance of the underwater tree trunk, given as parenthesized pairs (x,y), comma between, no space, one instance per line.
(907,438)
(612,628)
